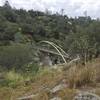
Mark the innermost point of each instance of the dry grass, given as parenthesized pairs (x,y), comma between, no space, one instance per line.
(67,94)
(76,77)
(81,76)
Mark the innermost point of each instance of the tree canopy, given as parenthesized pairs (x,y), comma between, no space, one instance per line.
(79,35)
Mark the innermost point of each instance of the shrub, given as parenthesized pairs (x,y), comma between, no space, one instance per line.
(15,55)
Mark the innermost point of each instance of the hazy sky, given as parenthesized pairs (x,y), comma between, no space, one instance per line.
(71,7)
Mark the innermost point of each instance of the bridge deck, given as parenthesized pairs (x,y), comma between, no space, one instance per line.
(49,51)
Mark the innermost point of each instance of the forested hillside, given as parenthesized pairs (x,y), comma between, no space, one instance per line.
(21,72)
(19,25)
(77,36)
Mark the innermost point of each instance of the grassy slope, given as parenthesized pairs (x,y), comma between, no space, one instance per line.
(76,78)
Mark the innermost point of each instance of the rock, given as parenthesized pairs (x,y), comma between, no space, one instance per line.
(56,98)
(58,88)
(86,96)
(27,97)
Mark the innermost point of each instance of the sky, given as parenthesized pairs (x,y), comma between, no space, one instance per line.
(71,7)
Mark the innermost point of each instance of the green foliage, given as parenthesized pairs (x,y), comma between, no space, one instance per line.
(15,56)
(78,35)
(12,79)
(30,69)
